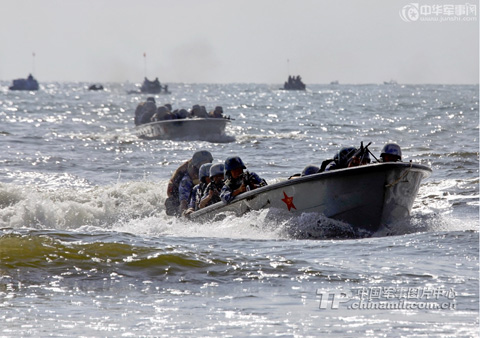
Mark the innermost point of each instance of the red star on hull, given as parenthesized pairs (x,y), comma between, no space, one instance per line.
(288,201)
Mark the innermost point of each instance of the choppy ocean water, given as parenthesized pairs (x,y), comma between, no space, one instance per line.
(87,250)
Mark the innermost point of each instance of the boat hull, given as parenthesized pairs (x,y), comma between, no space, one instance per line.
(24,84)
(365,197)
(191,128)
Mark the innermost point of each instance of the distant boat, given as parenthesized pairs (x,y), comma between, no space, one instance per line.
(294,83)
(153,87)
(391,82)
(30,83)
(334,82)
(188,128)
(95,87)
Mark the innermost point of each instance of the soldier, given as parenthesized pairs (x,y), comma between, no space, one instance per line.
(391,152)
(212,192)
(182,182)
(238,181)
(199,189)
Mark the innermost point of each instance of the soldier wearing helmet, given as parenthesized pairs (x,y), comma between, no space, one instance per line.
(199,189)
(308,170)
(161,114)
(391,152)
(212,192)
(217,112)
(238,181)
(182,182)
(340,160)
(145,111)
(359,159)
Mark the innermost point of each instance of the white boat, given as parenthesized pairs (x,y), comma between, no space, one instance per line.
(366,197)
(188,128)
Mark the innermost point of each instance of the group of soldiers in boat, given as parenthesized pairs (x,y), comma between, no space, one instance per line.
(348,157)
(30,83)
(148,111)
(294,83)
(198,183)
(153,87)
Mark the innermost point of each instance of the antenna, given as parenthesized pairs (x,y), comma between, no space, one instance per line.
(33,63)
(288,67)
(145,64)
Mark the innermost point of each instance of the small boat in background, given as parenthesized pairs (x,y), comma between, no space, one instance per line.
(202,129)
(294,83)
(150,87)
(391,82)
(153,87)
(95,87)
(30,83)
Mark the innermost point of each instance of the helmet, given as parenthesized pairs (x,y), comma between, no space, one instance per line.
(392,149)
(233,162)
(182,113)
(216,169)
(162,109)
(204,171)
(201,157)
(310,169)
(344,155)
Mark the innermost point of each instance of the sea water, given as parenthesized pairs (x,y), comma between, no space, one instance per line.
(87,250)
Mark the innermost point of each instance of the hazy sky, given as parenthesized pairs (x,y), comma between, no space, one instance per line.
(222,41)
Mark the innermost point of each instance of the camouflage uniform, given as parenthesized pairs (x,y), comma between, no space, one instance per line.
(216,192)
(185,188)
(197,193)
(233,184)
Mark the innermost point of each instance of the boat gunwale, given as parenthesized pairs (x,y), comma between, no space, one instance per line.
(190,119)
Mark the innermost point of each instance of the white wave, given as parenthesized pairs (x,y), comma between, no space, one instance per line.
(70,208)
(250,226)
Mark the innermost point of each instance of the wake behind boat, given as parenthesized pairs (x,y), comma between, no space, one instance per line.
(366,197)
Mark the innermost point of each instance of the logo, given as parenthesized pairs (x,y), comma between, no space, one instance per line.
(334,298)
(415,12)
(410,12)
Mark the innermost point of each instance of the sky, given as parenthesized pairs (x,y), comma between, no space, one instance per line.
(247,41)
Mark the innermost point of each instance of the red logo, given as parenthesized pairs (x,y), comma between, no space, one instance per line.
(288,201)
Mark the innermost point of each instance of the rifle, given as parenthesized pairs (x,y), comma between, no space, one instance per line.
(246,180)
(251,182)
(360,153)
(213,187)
